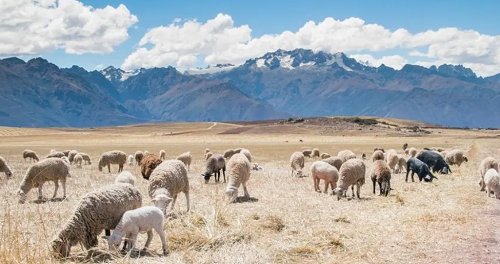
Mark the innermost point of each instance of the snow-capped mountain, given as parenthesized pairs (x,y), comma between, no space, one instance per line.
(117,75)
(210,69)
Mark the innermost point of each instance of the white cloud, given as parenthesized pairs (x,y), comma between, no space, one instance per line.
(394,61)
(34,27)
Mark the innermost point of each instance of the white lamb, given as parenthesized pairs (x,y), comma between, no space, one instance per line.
(492,182)
(239,173)
(297,163)
(321,170)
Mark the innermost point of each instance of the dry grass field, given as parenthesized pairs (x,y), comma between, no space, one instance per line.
(446,221)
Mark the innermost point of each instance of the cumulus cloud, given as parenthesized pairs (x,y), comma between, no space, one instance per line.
(394,61)
(33,27)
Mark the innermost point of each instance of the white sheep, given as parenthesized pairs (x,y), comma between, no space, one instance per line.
(307,153)
(381,173)
(401,164)
(377,155)
(138,157)
(325,155)
(492,182)
(130,160)
(455,157)
(112,157)
(56,154)
(4,167)
(238,174)
(51,169)
(136,221)
(214,165)
(27,153)
(71,155)
(412,152)
(351,173)
(486,164)
(228,153)
(345,155)
(297,161)
(166,182)
(78,159)
(186,159)
(163,155)
(321,170)
(315,153)
(392,160)
(125,177)
(208,155)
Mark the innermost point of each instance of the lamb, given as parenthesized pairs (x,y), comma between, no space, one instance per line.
(247,153)
(412,152)
(325,155)
(51,169)
(214,165)
(163,155)
(125,177)
(4,167)
(297,163)
(307,153)
(334,161)
(315,153)
(392,160)
(97,210)
(78,159)
(328,173)
(112,157)
(345,155)
(417,166)
(455,157)
(208,155)
(71,155)
(138,157)
(381,173)
(55,155)
(86,158)
(238,174)
(434,161)
(143,219)
(486,164)
(27,153)
(492,182)
(130,160)
(401,164)
(148,164)
(377,155)
(186,159)
(228,153)
(351,173)
(166,182)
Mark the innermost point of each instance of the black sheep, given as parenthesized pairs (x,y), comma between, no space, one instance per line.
(422,170)
(435,161)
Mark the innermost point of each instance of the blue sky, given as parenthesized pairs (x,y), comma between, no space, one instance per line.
(274,17)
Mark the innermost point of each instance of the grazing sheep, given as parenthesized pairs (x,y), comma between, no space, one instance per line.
(186,159)
(55,155)
(412,152)
(112,157)
(334,161)
(492,182)
(325,156)
(214,165)
(51,169)
(71,155)
(307,153)
(321,170)
(417,166)
(208,155)
(66,152)
(98,210)
(346,155)
(228,153)
(138,157)
(351,173)
(392,160)
(434,161)
(27,153)
(163,155)
(4,167)
(166,182)
(455,157)
(125,177)
(486,164)
(405,146)
(256,167)
(238,174)
(86,158)
(148,164)
(381,173)
(377,148)
(377,155)
(136,221)
(247,153)
(297,161)
(315,153)
(130,160)
(401,164)
(78,159)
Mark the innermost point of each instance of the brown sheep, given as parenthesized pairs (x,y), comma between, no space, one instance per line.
(148,164)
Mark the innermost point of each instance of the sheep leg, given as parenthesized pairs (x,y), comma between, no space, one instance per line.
(56,186)
(132,240)
(380,187)
(407,172)
(63,183)
(315,182)
(488,191)
(187,199)
(358,187)
(120,168)
(245,191)
(326,186)
(148,241)
(173,202)
(40,191)
(413,173)
(109,168)
(224,173)
(163,240)
(373,186)
(352,189)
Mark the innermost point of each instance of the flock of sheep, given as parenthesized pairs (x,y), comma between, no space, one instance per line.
(118,206)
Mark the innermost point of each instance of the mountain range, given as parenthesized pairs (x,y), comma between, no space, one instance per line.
(277,85)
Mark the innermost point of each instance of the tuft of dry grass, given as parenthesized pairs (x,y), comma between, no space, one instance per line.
(273,223)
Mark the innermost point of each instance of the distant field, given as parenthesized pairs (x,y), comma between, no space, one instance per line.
(446,221)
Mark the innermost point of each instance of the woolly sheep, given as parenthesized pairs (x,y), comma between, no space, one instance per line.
(55,155)
(434,161)
(326,172)
(163,155)
(325,155)
(238,174)
(486,164)
(214,165)
(130,160)
(125,177)
(377,155)
(307,153)
(4,167)
(112,157)
(381,173)
(136,221)
(208,155)
(392,160)
(247,153)
(138,157)
(412,152)
(27,153)
(78,159)
(228,153)
(492,182)
(417,166)
(315,153)
(51,169)
(334,161)
(86,158)
(455,157)
(166,182)
(98,210)
(297,161)
(186,159)
(345,155)
(71,155)
(148,164)
(351,173)
(401,164)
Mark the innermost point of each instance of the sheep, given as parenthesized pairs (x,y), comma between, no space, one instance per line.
(334,161)
(345,155)
(381,173)
(405,146)
(138,157)
(98,210)
(78,159)
(377,155)
(392,160)
(228,153)
(55,155)
(492,182)
(401,164)
(112,157)
(407,152)
(238,174)
(328,173)
(27,153)
(412,152)
(377,148)
(325,155)
(256,166)
(5,168)
(207,150)
(143,219)
(186,159)
(125,177)
(166,182)
(66,152)
(130,160)
(247,153)
(486,164)
(351,173)
(297,163)
(455,157)
(71,155)
(307,153)
(363,156)
(315,153)
(163,155)
(208,155)
(417,166)
(214,165)
(434,161)
(86,158)
(148,164)
(52,151)
(51,169)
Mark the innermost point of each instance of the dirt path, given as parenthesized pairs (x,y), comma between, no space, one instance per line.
(212,126)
